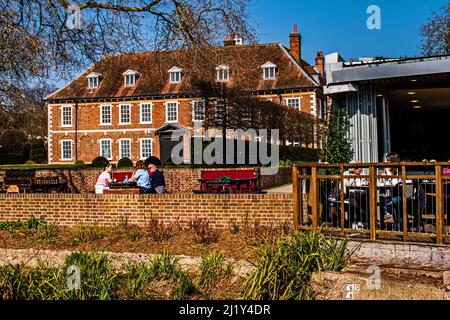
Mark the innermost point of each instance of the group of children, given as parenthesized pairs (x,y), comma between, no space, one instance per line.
(148,179)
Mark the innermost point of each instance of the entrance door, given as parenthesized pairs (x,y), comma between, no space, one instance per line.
(166,145)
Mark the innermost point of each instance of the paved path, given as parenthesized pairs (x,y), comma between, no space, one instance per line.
(281,189)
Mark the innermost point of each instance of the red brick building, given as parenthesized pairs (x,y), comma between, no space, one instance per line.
(123,105)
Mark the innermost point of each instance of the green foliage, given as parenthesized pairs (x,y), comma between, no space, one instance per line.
(37,151)
(125,163)
(30,162)
(160,232)
(283,271)
(337,146)
(298,154)
(12,158)
(79,163)
(86,233)
(28,225)
(213,268)
(98,277)
(99,162)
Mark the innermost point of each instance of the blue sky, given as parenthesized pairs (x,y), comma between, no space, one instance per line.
(341,25)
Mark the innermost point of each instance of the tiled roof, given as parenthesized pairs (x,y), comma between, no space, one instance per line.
(245,62)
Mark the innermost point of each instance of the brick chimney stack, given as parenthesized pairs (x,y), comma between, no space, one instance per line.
(295,44)
(228,41)
(320,63)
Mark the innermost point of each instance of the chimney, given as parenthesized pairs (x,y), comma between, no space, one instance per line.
(295,44)
(228,41)
(320,63)
(351,61)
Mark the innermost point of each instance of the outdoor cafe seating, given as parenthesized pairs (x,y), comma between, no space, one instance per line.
(229,181)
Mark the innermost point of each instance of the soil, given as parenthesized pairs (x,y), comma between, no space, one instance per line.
(130,239)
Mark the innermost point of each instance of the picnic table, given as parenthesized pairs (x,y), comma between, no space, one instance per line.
(227,185)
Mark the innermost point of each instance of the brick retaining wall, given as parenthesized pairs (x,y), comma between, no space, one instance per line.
(178,180)
(107,210)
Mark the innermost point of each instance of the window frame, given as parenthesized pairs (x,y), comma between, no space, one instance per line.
(111,146)
(101,115)
(62,150)
(141,121)
(62,116)
(194,102)
(141,149)
(130,83)
(167,111)
(269,70)
(299,103)
(120,114)
(130,141)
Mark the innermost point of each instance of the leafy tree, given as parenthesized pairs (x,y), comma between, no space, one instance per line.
(436,33)
(337,147)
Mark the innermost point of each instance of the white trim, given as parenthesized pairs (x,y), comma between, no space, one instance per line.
(294,98)
(120,147)
(94,75)
(175,69)
(222,67)
(141,157)
(62,114)
(268,64)
(71,149)
(192,107)
(130,72)
(298,65)
(120,113)
(100,144)
(177,107)
(104,130)
(101,112)
(151,113)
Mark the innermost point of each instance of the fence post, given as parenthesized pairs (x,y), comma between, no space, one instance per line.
(295,193)
(314,197)
(405,204)
(439,206)
(373,203)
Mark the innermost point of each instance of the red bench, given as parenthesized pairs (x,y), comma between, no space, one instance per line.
(120,176)
(242,180)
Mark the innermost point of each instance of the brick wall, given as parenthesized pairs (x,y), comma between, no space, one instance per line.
(107,210)
(178,180)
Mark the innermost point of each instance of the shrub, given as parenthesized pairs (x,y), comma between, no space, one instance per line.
(12,158)
(283,271)
(298,154)
(86,233)
(160,232)
(30,162)
(99,162)
(203,232)
(213,268)
(79,163)
(37,151)
(125,163)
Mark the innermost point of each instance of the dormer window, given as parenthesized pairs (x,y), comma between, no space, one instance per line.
(223,73)
(94,80)
(269,70)
(175,75)
(130,77)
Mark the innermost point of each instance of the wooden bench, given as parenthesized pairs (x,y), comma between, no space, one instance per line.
(22,179)
(45,184)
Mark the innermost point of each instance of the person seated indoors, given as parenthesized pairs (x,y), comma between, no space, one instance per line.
(142,178)
(104,180)
(392,205)
(157,178)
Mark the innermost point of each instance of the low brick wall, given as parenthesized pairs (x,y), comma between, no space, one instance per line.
(178,180)
(107,210)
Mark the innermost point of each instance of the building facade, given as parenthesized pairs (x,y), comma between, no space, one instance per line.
(126,105)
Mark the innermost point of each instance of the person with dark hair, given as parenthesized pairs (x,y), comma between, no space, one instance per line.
(391,205)
(104,180)
(157,178)
(142,178)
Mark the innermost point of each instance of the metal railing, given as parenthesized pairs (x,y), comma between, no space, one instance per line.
(403,200)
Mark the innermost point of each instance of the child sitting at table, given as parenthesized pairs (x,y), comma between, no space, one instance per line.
(142,178)
(104,180)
